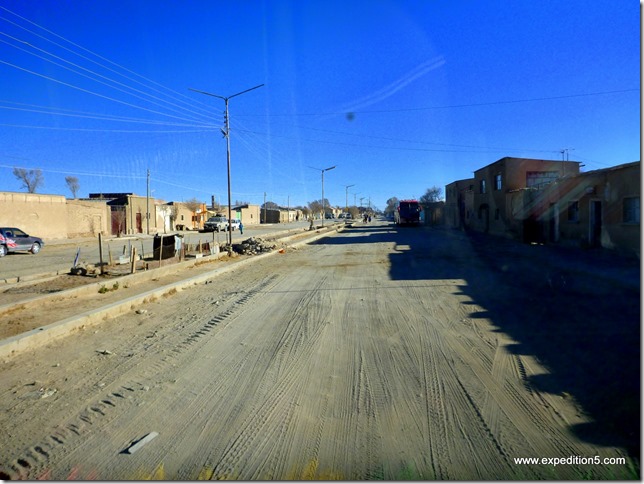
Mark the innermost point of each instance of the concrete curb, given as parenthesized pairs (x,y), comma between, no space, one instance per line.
(137,277)
(47,334)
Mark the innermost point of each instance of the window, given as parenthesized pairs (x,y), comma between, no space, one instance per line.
(482,186)
(573,212)
(632,210)
(498,183)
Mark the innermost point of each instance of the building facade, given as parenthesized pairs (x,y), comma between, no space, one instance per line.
(459,203)
(497,208)
(548,201)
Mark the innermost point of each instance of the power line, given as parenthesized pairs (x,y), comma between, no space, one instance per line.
(428,150)
(187,100)
(91,92)
(103,130)
(451,106)
(184,110)
(88,115)
(75,172)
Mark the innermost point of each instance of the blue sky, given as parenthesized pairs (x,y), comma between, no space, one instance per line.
(399,95)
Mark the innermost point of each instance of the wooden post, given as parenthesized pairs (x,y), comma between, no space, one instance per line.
(133,260)
(100,251)
(109,254)
(160,251)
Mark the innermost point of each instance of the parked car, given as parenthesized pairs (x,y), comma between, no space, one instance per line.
(236,222)
(13,239)
(216,224)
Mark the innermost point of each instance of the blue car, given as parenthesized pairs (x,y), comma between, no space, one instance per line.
(13,239)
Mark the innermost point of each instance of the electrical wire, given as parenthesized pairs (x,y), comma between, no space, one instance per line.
(190,101)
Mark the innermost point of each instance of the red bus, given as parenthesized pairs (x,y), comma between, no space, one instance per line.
(407,212)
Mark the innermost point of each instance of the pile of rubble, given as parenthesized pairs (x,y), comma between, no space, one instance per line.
(253,246)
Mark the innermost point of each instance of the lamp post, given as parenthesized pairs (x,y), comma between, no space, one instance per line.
(323,204)
(346,198)
(226,133)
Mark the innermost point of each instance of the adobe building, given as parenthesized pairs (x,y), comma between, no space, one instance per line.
(499,193)
(248,214)
(37,214)
(548,201)
(184,218)
(599,208)
(54,216)
(87,218)
(459,203)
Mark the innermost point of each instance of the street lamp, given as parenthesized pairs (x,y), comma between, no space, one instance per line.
(226,133)
(323,204)
(346,198)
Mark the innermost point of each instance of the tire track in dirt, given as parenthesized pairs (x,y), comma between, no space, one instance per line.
(535,426)
(101,411)
(280,387)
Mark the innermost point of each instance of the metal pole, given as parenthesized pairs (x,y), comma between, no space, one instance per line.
(226,133)
(346,198)
(323,207)
(230,225)
(147,206)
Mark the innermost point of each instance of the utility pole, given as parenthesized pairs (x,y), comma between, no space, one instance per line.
(226,133)
(565,150)
(346,198)
(264,207)
(323,204)
(147,205)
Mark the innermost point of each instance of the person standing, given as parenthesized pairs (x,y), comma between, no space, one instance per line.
(241,228)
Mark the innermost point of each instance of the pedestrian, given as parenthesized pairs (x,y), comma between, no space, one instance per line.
(241,228)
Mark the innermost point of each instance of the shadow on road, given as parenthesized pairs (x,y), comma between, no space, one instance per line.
(577,311)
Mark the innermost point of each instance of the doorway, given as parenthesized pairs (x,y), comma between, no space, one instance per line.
(595,228)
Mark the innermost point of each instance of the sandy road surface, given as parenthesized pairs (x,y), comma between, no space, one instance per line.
(377,353)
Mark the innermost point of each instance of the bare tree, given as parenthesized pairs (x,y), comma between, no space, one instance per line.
(269,206)
(193,205)
(118,216)
(315,207)
(391,206)
(433,194)
(31,179)
(174,213)
(72,184)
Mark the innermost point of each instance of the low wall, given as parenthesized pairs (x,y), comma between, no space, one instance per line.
(43,216)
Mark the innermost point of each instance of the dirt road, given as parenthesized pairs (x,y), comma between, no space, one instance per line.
(376,353)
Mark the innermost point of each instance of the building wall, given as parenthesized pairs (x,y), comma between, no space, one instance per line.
(249,214)
(44,216)
(606,190)
(434,213)
(622,183)
(459,203)
(497,209)
(87,218)
(186,219)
